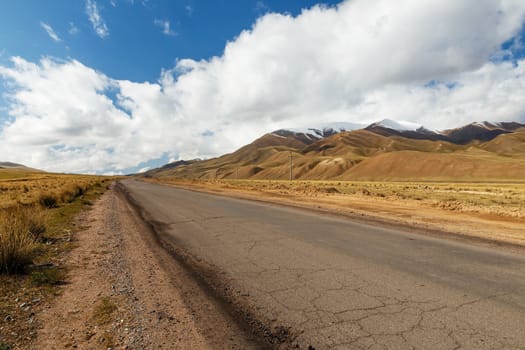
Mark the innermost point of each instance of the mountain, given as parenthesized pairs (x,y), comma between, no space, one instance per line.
(312,134)
(388,127)
(11,165)
(484,131)
(386,150)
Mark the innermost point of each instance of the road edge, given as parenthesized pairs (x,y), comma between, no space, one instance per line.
(209,279)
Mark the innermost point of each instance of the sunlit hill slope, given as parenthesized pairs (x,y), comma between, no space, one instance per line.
(387,150)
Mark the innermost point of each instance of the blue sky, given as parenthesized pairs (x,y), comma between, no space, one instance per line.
(135,47)
(117,86)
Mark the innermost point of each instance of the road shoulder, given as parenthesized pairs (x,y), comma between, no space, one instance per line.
(122,292)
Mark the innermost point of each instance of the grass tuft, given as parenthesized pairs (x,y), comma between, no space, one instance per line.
(48,201)
(19,229)
(104,310)
(49,277)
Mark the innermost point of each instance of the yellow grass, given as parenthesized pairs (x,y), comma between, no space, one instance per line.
(505,199)
(31,188)
(17,238)
(25,198)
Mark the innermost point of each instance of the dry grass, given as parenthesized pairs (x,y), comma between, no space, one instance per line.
(18,237)
(24,202)
(50,190)
(502,199)
(36,221)
(104,310)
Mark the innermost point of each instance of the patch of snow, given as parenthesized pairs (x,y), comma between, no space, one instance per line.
(399,125)
(277,135)
(320,130)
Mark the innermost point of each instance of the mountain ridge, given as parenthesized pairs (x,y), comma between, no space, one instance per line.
(380,151)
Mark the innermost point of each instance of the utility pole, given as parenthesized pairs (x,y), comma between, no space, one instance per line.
(291,166)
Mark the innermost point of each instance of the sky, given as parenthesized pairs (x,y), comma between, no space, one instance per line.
(120,86)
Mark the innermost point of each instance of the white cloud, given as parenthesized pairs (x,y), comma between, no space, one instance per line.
(98,23)
(165,26)
(50,31)
(73,29)
(361,61)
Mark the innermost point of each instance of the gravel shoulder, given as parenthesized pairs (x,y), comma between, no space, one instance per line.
(124,292)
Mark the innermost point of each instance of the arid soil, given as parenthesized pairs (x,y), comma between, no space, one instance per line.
(124,292)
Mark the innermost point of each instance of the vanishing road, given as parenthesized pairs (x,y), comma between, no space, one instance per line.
(330,282)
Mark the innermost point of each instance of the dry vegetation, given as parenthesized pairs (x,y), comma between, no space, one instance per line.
(494,211)
(49,190)
(492,198)
(23,205)
(36,221)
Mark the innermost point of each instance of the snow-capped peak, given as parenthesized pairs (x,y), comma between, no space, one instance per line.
(398,125)
(324,130)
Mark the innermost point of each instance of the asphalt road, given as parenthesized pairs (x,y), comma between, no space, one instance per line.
(330,282)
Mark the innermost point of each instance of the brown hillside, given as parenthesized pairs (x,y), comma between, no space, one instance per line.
(462,166)
(365,155)
(507,144)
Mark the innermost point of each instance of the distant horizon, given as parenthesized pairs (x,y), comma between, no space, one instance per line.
(115,86)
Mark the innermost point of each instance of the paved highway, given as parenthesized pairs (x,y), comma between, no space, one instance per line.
(331,282)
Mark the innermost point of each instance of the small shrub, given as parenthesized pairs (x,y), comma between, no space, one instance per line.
(36,223)
(45,277)
(69,194)
(17,243)
(48,201)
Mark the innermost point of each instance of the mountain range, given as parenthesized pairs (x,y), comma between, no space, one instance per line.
(385,150)
(15,166)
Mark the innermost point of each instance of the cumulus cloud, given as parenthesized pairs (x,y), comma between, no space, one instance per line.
(98,23)
(427,62)
(50,31)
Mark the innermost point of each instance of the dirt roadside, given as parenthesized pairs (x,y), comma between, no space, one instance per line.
(124,292)
(507,232)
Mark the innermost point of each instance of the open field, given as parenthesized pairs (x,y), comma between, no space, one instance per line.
(26,188)
(36,226)
(488,211)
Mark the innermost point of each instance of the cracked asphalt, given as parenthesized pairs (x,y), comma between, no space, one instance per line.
(332,282)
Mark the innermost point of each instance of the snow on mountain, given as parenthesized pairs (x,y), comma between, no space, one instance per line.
(398,125)
(483,130)
(321,131)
